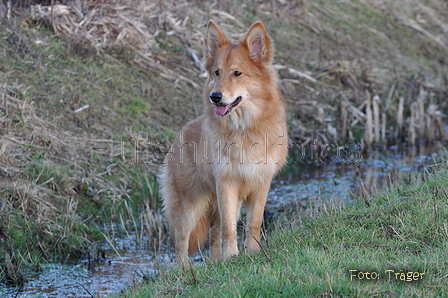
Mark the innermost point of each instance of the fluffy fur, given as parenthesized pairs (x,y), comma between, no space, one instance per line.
(218,161)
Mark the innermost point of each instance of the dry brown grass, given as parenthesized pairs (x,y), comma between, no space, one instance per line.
(139,25)
(46,205)
(51,189)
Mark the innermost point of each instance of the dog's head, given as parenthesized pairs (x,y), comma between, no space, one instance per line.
(238,72)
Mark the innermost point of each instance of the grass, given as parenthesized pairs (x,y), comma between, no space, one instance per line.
(64,175)
(57,190)
(400,240)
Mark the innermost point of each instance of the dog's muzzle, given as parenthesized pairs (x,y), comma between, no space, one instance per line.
(221,108)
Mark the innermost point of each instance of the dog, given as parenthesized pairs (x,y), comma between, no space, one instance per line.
(230,154)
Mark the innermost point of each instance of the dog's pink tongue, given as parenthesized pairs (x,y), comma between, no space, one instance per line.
(221,110)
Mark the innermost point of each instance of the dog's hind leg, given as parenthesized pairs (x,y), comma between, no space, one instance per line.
(181,234)
(199,234)
(190,223)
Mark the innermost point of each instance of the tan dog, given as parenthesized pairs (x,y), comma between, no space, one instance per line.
(230,154)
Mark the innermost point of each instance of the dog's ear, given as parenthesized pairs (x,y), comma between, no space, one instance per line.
(214,38)
(259,44)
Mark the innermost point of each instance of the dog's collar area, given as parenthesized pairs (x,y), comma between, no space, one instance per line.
(222,110)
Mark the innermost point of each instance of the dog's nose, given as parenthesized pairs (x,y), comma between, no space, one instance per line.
(216,97)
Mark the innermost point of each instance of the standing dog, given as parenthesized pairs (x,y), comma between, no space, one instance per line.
(230,154)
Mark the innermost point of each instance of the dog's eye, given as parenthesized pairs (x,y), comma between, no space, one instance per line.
(217,72)
(237,73)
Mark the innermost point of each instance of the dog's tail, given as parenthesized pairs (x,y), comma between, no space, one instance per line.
(199,234)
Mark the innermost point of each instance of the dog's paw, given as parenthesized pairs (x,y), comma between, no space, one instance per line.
(251,246)
(230,252)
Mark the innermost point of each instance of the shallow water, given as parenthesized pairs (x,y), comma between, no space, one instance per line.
(119,269)
(341,181)
(304,184)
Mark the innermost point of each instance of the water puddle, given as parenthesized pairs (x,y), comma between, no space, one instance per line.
(340,180)
(117,269)
(111,271)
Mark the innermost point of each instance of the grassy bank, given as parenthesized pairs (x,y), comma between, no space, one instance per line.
(78,103)
(394,245)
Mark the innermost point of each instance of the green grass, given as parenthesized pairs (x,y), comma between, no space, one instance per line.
(400,239)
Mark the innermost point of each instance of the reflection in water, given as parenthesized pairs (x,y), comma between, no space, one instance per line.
(341,180)
(97,277)
(302,185)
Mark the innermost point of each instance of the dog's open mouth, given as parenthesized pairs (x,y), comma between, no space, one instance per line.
(222,110)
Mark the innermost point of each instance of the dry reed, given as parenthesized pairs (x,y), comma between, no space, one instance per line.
(137,24)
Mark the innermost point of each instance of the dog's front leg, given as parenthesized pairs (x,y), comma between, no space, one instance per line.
(254,215)
(229,205)
(215,240)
